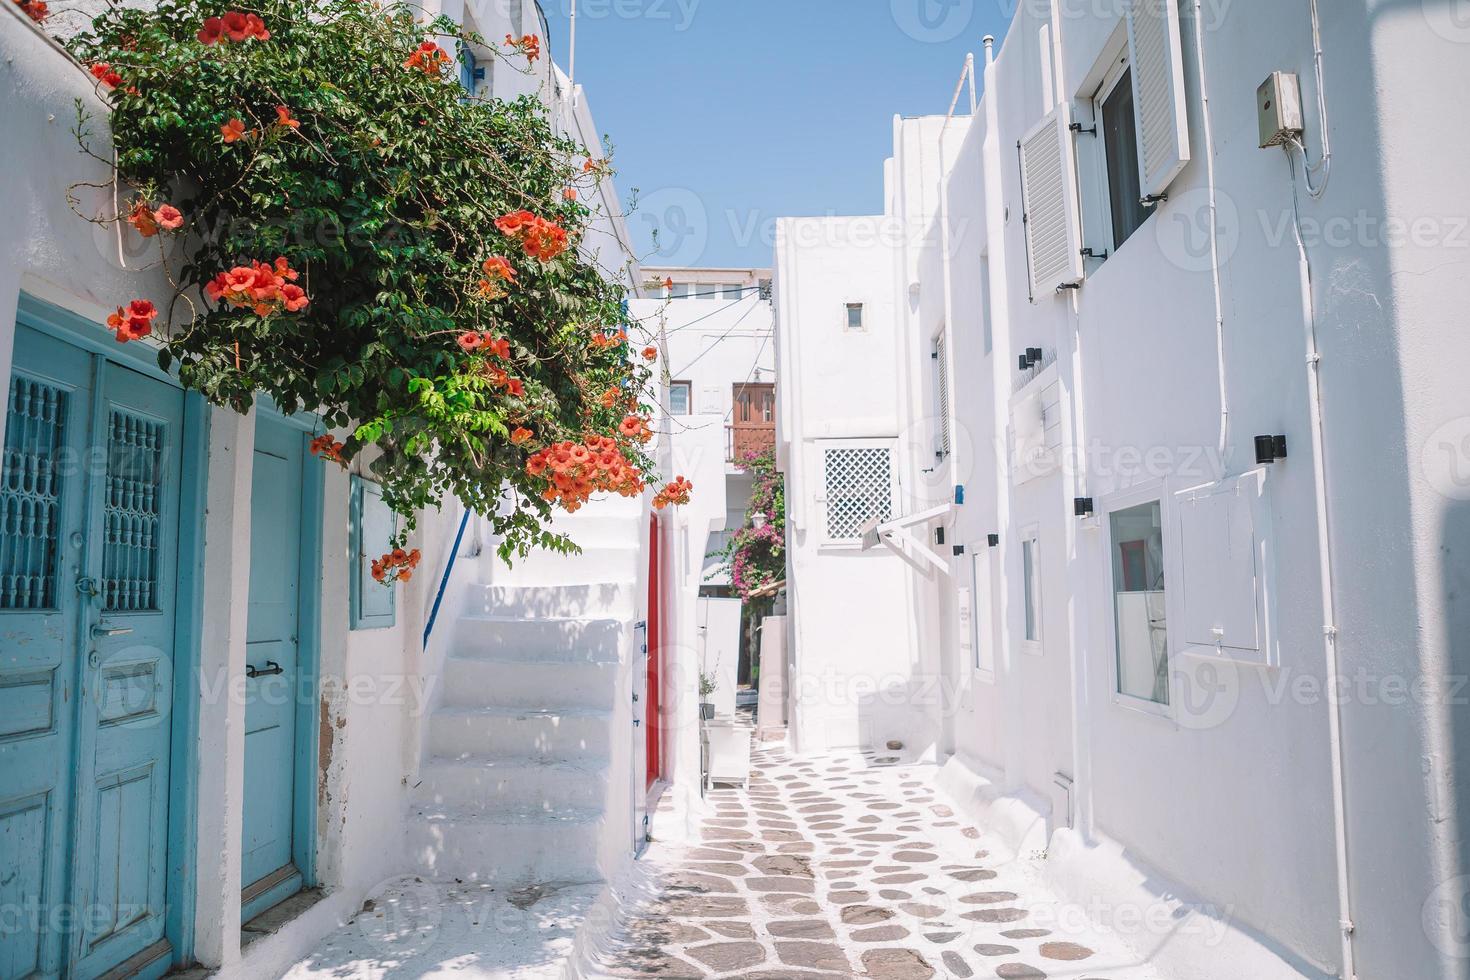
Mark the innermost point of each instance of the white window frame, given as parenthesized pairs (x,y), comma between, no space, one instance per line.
(862,308)
(1121,63)
(1031,534)
(688,387)
(822,446)
(1143,493)
(982,612)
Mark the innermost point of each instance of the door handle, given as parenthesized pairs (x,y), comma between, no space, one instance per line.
(271,667)
(101,631)
(88,587)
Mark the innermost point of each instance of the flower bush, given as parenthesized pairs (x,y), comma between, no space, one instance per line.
(351,234)
(755,556)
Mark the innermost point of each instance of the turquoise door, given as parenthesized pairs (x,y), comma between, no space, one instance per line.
(270,870)
(89,544)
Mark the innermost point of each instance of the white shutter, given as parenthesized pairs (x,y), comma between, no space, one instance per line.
(1049,195)
(1157,58)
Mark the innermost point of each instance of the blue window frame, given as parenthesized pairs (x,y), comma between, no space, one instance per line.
(373,527)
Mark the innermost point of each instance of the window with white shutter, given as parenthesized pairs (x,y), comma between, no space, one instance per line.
(1049,195)
(940,362)
(1157,56)
(859,480)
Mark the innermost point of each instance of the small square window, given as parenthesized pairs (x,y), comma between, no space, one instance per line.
(373,525)
(679,397)
(681,290)
(1141,634)
(732,290)
(1120,146)
(855,316)
(1031,583)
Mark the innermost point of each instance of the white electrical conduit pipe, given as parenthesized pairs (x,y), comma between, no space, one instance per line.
(1329,605)
(1324,165)
(1223,445)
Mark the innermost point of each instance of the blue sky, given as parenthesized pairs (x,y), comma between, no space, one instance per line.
(728,114)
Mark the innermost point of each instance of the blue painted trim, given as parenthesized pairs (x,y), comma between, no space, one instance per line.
(184,763)
(77,330)
(271,897)
(444,579)
(305,421)
(309,651)
(358,573)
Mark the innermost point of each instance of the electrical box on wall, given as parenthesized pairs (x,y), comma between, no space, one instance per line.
(1279,108)
(1227,569)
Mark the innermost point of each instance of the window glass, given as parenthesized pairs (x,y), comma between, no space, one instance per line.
(854,316)
(1138,602)
(679,397)
(681,290)
(1120,143)
(1030,577)
(732,290)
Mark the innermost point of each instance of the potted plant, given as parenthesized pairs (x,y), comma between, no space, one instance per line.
(707,686)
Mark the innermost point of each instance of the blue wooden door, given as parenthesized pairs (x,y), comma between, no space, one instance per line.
(89,504)
(269,871)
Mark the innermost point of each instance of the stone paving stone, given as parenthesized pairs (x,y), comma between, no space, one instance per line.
(817,956)
(1064,951)
(729,956)
(801,929)
(956,964)
(896,964)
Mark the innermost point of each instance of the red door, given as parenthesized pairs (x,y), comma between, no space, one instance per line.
(651,725)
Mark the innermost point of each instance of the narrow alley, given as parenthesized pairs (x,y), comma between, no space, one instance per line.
(849,865)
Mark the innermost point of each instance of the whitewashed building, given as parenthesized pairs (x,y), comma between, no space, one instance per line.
(1126,463)
(719,368)
(245,792)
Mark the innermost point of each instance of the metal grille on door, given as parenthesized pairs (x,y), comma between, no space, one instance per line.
(130,552)
(30,497)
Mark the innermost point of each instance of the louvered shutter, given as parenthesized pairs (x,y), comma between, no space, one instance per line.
(1049,195)
(1157,57)
(941,361)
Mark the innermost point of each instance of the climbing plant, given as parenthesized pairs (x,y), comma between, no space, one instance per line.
(755,555)
(347,231)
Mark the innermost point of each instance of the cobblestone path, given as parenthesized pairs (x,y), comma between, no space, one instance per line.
(849,866)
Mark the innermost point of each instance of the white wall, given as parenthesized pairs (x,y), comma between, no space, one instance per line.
(1225,801)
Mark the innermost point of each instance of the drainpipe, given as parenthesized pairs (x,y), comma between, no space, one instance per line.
(1222,445)
(1329,605)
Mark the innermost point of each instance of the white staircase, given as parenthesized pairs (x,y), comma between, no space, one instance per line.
(517,785)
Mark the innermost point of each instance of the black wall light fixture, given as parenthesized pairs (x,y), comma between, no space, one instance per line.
(1031,358)
(1082,506)
(992,540)
(1270,448)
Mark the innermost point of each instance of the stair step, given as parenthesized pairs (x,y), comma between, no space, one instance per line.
(547,568)
(506,844)
(475,781)
(546,733)
(599,531)
(593,600)
(549,640)
(478,682)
